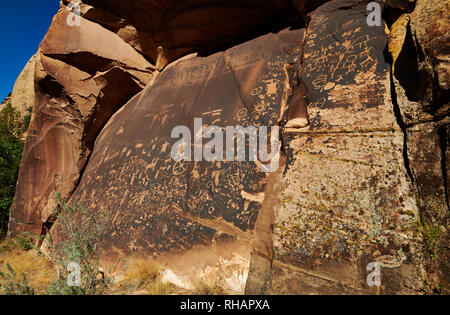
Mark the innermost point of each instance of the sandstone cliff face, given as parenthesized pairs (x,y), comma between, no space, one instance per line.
(346,198)
(6,100)
(421,75)
(79,83)
(363,148)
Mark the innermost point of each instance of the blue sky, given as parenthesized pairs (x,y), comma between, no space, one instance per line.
(22,27)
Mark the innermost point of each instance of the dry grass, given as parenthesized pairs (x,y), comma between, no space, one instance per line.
(145,276)
(206,288)
(37,269)
(158,287)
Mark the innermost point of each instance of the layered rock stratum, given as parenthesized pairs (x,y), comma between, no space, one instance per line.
(364,141)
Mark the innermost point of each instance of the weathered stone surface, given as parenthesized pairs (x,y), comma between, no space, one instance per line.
(79,82)
(83,74)
(395,8)
(401,4)
(425,159)
(23,95)
(420,48)
(180,27)
(365,146)
(346,198)
(422,69)
(445,143)
(187,208)
(421,98)
(429,25)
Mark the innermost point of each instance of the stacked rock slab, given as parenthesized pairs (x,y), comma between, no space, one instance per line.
(79,83)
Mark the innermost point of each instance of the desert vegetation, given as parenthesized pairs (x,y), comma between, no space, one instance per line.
(12,129)
(26,269)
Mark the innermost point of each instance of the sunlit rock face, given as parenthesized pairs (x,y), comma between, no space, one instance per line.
(79,82)
(362,149)
(345,198)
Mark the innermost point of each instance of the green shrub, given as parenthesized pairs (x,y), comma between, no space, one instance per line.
(11,148)
(10,122)
(431,235)
(23,242)
(80,235)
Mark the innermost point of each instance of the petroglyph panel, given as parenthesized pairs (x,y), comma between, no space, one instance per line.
(158,206)
(345,197)
(345,70)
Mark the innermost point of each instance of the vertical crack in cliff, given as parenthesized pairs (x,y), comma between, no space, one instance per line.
(263,256)
(403,127)
(444,146)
